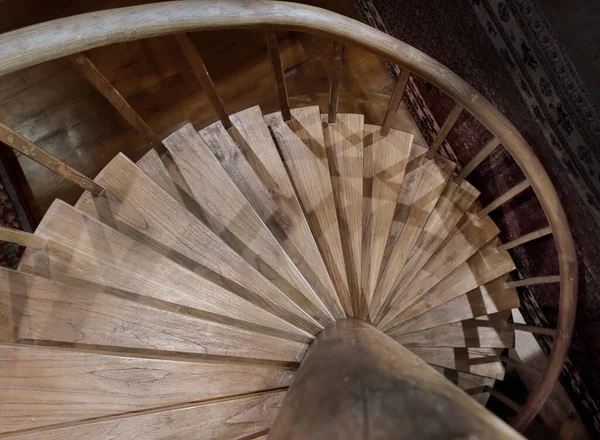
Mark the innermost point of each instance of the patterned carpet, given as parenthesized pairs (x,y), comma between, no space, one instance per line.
(507,51)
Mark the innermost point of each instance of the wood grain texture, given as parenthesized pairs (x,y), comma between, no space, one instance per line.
(487,299)
(251,159)
(275,55)
(423,183)
(465,381)
(230,216)
(302,147)
(245,182)
(395,100)
(525,238)
(153,166)
(67,386)
(46,310)
(385,161)
(478,361)
(470,333)
(22,238)
(445,129)
(334,88)
(486,265)
(456,249)
(139,208)
(514,191)
(450,207)
(344,147)
(224,419)
(87,249)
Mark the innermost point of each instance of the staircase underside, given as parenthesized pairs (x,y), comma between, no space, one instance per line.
(186,297)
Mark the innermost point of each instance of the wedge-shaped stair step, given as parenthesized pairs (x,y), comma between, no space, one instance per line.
(478,361)
(136,206)
(227,212)
(45,310)
(69,386)
(488,299)
(344,147)
(153,166)
(302,146)
(467,381)
(240,417)
(485,266)
(248,154)
(86,249)
(451,206)
(470,333)
(423,183)
(385,160)
(461,244)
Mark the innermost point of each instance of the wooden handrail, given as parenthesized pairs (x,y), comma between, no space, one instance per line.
(59,38)
(338,60)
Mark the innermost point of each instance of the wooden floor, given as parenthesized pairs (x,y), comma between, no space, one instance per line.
(53,105)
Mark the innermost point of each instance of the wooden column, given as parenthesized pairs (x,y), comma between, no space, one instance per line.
(338,59)
(395,101)
(274,53)
(355,382)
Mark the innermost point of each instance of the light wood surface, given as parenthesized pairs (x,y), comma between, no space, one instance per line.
(485,266)
(525,239)
(487,299)
(252,161)
(478,361)
(302,147)
(344,147)
(445,129)
(385,161)
(87,68)
(71,386)
(465,381)
(456,249)
(12,235)
(450,207)
(395,100)
(231,217)
(149,215)
(533,281)
(84,248)
(274,53)
(422,186)
(153,166)
(45,310)
(336,70)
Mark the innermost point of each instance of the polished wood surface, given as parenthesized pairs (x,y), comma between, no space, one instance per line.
(12,235)
(357,383)
(153,166)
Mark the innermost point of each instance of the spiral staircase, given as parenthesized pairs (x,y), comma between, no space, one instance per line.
(181,294)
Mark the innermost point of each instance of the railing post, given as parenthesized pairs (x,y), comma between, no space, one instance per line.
(85,66)
(441,136)
(395,100)
(338,59)
(355,382)
(22,238)
(32,151)
(273,47)
(199,69)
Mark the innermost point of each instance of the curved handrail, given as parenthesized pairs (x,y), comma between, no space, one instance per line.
(59,38)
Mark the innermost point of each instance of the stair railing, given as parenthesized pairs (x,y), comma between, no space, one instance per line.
(71,36)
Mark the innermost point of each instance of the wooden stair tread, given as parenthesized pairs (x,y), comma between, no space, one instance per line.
(153,166)
(45,310)
(226,419)
(86,249)
(467,381)
(468,333)
(451,206)
(69,386)
(478,361)
(229,215)
(261,176)
(147,214)
(385,161)
(423,183)
(344,148)
(263,195)
(302,146)
(459,245)
(486,265)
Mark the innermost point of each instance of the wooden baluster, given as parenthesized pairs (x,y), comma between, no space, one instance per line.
(199,69)
(29,149)
(532,329)
(515,190)
(338,59)
(521,365)
(479,157)
(85,66)
(525,238)
(22,238)
(496,394)
(273,47)
(450,121)
(533,281)
(395,101)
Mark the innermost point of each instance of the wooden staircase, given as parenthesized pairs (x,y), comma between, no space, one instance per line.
(184,298)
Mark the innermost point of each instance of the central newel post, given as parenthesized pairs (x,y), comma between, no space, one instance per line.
(355,382)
